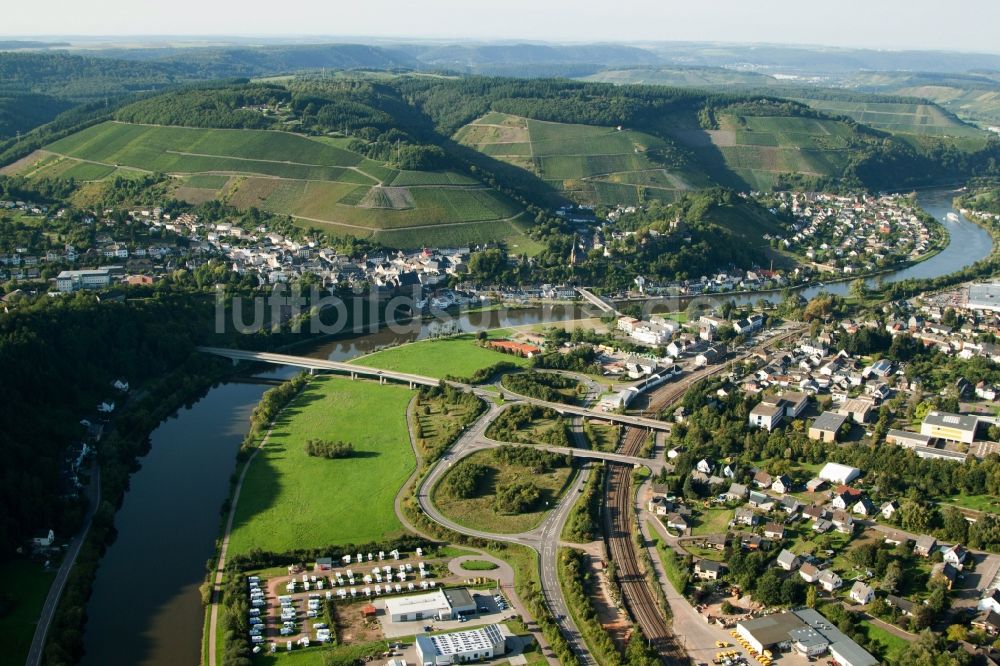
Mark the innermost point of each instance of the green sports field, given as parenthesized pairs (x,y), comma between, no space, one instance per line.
(314,179)
(457,356)
(291,500)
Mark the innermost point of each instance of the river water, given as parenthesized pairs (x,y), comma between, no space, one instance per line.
(146,609)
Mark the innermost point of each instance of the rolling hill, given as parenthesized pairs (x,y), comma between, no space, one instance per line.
(315,180)
(592,164)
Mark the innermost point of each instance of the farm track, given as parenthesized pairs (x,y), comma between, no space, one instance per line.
(636,594)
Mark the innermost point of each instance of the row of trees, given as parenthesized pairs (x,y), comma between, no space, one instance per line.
(321,448)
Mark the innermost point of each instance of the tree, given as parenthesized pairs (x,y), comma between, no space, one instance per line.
(768,590)
(954,524)
(811,596)
(893,576)
(858,289)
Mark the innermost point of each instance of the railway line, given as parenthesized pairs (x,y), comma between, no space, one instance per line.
(636,594)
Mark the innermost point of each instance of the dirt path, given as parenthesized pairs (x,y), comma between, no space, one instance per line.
(220,566)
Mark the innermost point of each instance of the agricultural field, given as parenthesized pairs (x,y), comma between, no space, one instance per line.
(754,151)
(479,511)
(901,118)
(292,500)
(591,164)
(316,180)
(458,356)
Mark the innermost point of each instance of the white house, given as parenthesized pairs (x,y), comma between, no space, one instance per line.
(44,540)
(829,580)
(861,593)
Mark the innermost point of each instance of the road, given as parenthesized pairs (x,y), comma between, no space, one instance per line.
(62,576)
(414,380)
(543,539)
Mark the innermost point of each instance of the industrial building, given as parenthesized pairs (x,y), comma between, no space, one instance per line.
(96,278)
(985,296)
(437,605)
(950,427)
(805,632)
(461,646)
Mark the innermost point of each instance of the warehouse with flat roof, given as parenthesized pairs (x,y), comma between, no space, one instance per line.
(984,296)
(806,632)
(461,646)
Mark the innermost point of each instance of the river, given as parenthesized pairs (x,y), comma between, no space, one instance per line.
(146,609)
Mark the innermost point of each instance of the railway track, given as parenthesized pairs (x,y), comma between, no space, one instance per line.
(638,598)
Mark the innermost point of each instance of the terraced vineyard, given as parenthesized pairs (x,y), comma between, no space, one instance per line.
(754,151)
(903,118)
(591,164)
(318,181)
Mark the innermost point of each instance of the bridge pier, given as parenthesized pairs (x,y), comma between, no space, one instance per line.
(381,379)
(411,386)
(312,371)
(354,376)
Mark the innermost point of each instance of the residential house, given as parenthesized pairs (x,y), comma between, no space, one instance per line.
(904,606)
(889,509)
(675,521)
(829,580)
(815,512)
(956,555)
(736,492)
(988,621)
(791,506)
(843,522)
(862,593)
(762,479)
(782,485)
(787,560)
(822,526)
(761,501)
(924,546)
(946,572)
(708,569)
(864,507)
(774,531)
(991,602)
(657,505)
(896,538)
(809,573)
(745,516)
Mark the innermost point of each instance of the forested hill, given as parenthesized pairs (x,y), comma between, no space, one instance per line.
(676,139)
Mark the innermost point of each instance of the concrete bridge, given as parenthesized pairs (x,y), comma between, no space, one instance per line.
(324,365)
(313,364)
(598,302)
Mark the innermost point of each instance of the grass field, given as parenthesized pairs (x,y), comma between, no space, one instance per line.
(26,584)
(458,356)
(590,163)
(478,512)
(291,500)
(478,565)
(316,180)
(893,645)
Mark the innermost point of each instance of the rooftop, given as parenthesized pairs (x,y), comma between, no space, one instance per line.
(829,421)
(472,640)
(966,422)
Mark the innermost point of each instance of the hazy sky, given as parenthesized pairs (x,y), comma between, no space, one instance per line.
(963,25)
